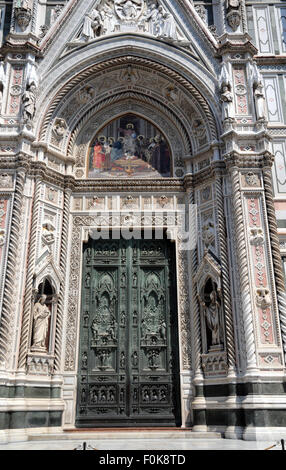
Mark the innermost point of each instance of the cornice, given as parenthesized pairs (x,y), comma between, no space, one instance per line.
(270,60)
(235,160)
(227,44)
(123,185)
(17,44)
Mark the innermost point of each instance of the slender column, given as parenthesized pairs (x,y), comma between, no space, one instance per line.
(6,324)
(243,270)
(228,316)
(197,341)
(26,320)
(275,249)
(63,265)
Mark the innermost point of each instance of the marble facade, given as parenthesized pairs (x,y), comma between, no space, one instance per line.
(201,75)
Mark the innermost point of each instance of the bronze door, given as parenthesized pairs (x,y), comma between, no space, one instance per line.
(128,360)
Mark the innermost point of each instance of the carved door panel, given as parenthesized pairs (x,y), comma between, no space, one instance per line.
(128,360)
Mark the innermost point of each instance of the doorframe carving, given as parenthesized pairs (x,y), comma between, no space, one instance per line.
(81,225)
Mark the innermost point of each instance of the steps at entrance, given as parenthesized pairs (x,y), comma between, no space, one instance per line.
(123,433)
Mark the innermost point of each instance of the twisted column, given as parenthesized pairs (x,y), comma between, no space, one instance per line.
(6,324)
(275,251)
(243,270)
(63,264)
(230,341)
(197,340)
(28,298)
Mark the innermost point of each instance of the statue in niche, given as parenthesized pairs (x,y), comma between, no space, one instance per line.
(208,234)
(212,313)
(29,102)
(94,329)
(225,92)
(226,99)
(153,356)
(84,360)
(163,330)
(41,315)
(258,90)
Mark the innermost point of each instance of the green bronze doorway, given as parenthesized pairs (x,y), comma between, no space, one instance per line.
(128,358)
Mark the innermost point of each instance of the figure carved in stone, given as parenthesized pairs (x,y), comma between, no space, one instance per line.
(23,14)
(212,316)
(91,25)
(226,99)
(48,230)
(41,315)
(225,92)
(233,13)
(263,298)
(59,128)
(29,103)
(256,237)
(208,234)
(128,9)
(151,17)
(259,99)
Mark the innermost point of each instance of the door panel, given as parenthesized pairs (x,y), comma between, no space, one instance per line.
(128,361)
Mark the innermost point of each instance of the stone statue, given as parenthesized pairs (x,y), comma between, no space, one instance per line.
(259,101)
(169,31)
(108,19)
(226,98)
(212,317)
(29,102)
(152,16)
(91,25)
(41,315)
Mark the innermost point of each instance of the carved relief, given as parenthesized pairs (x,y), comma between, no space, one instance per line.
(6,180)
(48,236)
(256,237)
(23,15)
(233,16)
(130,16)
(263,298)
(58,130)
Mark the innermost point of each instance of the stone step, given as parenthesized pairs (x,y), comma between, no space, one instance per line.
(123,434)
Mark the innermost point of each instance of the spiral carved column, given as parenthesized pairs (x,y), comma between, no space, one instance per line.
(9,287)
(243,270)
(275,251)
(195,301)
(28,299)
(230,341)
(63,264)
